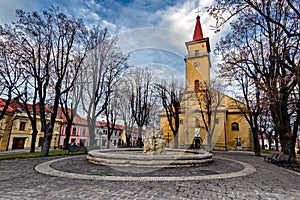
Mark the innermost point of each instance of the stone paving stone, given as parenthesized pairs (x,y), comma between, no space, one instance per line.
(19,180)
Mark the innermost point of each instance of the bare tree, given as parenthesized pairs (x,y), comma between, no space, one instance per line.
(266,54)
(125,110)
(249,103)
(266,129)
(10,69)
(224,11)
(171,95)
(14,80)
(210,98)
(29,103)
(142,98)
(50,45)
(69,103)
(112,111)
(104,66)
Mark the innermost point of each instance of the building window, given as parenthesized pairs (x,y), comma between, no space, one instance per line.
(216,121)
(181,121)
(41,139)
(74,131)
(196,52)
(22,126)
(84,131)
(197,123)
(234,126)
(197,84)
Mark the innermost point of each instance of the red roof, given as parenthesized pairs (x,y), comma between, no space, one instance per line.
(198,34)
(2,104)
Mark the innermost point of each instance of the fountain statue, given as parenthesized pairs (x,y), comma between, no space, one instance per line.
(154,143)
(153,155)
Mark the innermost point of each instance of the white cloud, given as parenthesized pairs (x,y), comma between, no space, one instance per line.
(162,25)
(182,18)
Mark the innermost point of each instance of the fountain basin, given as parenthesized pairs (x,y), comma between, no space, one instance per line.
(134,157)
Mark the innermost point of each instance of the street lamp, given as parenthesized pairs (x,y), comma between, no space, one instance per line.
(168,139)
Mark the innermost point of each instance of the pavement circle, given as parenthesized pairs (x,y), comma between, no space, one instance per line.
(45,168)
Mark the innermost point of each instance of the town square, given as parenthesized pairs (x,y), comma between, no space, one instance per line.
(149,99)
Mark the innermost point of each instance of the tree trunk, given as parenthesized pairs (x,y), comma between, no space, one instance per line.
(281,121)
(288,145)
(256,143)
(68,135)
(176,140)
(140,137)
(128,140)
(33,140)
(209,139)
(46,145)
(108,142)
(92,124)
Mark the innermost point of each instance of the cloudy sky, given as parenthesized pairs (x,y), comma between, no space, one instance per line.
(152,31)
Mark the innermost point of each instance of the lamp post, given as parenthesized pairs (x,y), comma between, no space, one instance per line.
(168,139)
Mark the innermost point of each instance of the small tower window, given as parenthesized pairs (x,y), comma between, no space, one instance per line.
(196,52)
(234,126)
(22,126)
(197,84)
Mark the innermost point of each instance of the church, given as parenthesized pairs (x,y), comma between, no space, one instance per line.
(209,119)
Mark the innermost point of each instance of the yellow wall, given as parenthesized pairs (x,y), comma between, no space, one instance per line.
(5,125)
(202,70)
(17,134)
(243,132)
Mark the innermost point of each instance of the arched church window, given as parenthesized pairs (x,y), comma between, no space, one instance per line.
(234,126)
(197,84)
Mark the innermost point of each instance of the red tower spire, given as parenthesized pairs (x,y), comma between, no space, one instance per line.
(198,35)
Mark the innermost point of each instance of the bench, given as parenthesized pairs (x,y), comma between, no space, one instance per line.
(271,158)
(277,158)
(73,149)
(284,159)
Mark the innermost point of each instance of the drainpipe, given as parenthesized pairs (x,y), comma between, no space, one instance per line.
(225,130)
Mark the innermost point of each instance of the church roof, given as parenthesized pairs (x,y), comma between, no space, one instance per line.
(198,34)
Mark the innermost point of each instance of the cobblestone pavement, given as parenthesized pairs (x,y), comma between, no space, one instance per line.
(19,180)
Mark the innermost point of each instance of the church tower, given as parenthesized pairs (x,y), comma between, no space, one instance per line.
(197,60)
(219,124)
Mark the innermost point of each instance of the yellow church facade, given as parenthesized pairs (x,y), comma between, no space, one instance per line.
(219,124)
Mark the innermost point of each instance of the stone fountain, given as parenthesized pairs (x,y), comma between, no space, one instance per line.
(154,144)
(154,154)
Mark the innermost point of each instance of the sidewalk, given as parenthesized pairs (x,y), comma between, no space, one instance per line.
(16,151)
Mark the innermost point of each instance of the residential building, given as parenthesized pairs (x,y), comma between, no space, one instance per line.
(16,128)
